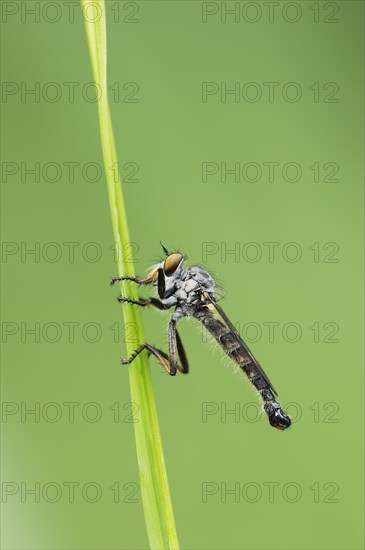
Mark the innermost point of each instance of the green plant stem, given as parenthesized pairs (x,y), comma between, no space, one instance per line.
(155,492)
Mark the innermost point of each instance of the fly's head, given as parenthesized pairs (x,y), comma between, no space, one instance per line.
(170,273)
(178,285)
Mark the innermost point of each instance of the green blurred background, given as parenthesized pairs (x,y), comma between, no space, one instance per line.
(160,54)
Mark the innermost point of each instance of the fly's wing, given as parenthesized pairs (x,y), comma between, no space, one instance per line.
(234,331)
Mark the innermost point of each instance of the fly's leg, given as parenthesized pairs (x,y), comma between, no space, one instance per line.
(176,348)
(150,279)
(143,302)
(182,355)
(147,281)
(161,356)
(184,367)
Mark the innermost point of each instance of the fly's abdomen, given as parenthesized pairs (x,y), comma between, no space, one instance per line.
(221,333)
(232,346)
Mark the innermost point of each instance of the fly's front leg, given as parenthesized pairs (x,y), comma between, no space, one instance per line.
(147,281)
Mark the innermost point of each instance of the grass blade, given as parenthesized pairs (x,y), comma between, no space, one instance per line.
(155,492)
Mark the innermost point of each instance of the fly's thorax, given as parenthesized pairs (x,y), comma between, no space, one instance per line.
(197,282)
(188,293)
(202,277)
(185,287)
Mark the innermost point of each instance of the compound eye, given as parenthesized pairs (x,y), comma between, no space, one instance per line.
(171,263)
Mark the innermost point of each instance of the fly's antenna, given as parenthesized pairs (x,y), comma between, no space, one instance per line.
(164,249)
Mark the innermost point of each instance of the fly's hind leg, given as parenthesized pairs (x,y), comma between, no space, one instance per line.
(169,362)
(160,355)
(184,369)
(176,348)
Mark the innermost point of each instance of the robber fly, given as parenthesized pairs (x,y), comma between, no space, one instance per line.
(192,293)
